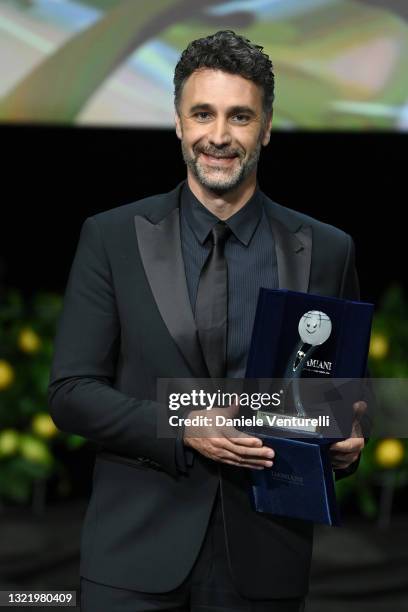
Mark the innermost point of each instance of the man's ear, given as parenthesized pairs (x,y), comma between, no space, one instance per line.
(177,121)
(267,129)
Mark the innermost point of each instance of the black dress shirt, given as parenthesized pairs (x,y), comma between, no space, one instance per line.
(251,260)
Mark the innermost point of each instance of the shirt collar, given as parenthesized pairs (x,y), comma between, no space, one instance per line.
(242,224)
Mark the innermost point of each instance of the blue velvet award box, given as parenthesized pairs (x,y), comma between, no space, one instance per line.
(309,343)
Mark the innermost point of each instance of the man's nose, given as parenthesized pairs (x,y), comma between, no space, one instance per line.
(220,135)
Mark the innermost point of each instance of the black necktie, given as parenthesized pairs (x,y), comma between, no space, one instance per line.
(211,312)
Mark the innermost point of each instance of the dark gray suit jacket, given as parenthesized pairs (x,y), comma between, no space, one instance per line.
(127,321)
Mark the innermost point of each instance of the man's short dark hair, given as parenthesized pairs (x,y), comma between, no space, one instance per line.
(230,53)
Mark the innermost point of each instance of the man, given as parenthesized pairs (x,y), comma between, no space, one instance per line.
(151,290)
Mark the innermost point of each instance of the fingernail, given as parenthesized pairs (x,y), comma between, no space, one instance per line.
(269,464)
(270,454)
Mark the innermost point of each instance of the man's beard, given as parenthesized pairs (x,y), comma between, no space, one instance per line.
(221,179)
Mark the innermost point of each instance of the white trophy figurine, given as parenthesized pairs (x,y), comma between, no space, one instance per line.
(314,329)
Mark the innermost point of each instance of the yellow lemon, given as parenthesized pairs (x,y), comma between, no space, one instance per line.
(379,346)
(43,425)
(35,450)
(29,341)
(9,439)
(6,374)
(389,453)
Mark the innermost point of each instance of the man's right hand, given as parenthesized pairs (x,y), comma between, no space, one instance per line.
(227,444)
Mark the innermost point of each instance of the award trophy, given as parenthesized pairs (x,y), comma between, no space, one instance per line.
(299,337)
(314,329)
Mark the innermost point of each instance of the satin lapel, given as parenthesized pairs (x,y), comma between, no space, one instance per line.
(293,254)
(160,250)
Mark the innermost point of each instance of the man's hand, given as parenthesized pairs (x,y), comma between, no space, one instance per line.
(227,444)
(344,453)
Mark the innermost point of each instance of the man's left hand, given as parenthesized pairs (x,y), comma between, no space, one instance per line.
(345,452)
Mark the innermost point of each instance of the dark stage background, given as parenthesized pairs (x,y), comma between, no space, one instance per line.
(53,178)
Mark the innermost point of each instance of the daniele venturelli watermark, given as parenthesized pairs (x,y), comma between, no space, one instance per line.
(200,400)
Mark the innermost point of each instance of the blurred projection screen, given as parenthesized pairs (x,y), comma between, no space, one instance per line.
(339,64)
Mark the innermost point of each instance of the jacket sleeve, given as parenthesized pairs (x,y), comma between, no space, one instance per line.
(349,290)
(81,395)
(350,287)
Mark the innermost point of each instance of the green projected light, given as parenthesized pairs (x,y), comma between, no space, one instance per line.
(339,64)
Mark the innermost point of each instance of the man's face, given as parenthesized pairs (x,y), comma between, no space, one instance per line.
(222,128)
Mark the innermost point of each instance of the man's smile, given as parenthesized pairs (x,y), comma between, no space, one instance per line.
(218,161)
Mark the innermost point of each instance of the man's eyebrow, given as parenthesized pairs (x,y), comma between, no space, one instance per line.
(233,110)
(241,110)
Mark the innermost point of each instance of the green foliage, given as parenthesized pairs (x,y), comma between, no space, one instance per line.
(28,437)
(384,462)
(391,323)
